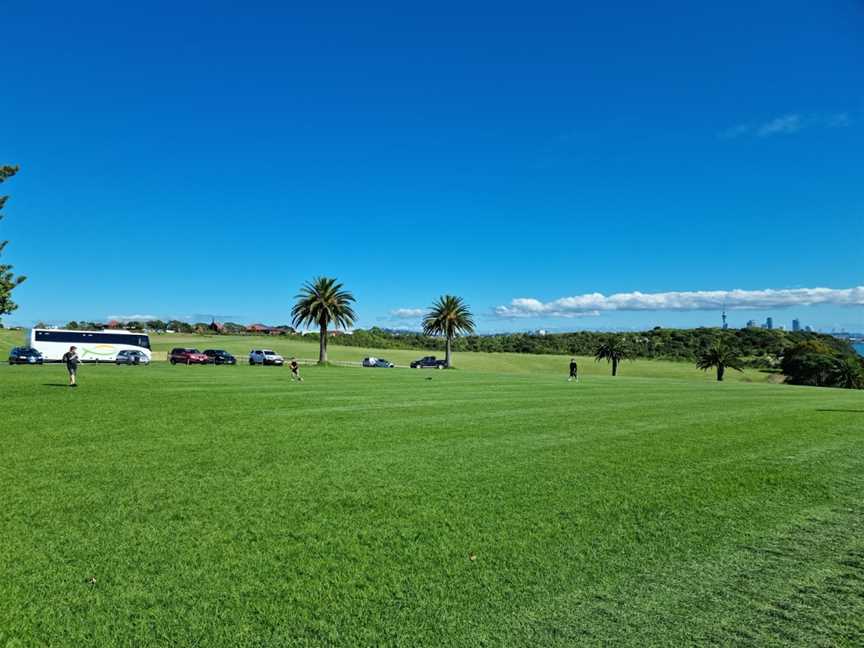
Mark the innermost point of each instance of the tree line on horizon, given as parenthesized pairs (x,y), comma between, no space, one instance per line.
(803,357)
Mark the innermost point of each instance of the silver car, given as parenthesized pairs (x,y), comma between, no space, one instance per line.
(265,357)
(378,362)
(132,357)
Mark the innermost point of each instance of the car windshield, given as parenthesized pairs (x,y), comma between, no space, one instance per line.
(269,352)
(192,351)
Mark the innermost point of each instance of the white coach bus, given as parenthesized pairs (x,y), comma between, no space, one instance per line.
(93,346)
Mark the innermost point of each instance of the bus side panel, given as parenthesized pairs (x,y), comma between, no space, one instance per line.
(88,350)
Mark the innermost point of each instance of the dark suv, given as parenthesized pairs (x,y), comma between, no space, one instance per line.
(218,356)
(24,355)
(187,356)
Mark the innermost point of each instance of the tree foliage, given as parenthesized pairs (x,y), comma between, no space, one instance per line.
(179,327)
(815,363)
(8,280)
(613,349)
(848,373)
(759,348)
(721,356)
(322,302)
(448,317)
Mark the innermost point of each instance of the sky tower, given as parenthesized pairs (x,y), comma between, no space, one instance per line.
(725,325)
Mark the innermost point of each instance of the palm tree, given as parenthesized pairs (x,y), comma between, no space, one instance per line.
(321,302)
(613,349)
(719,355)
(847,373)
(449,316)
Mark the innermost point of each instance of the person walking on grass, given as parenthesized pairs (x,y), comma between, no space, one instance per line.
(295,370)
(72,361)
(574,371)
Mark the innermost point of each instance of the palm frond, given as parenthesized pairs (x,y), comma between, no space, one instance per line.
(321,302)
(449,316)
(719,354)
(613,348)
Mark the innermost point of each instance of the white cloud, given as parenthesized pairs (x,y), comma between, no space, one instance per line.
(784,125)
(788,124)
(407,313)
(593,304)
(132,318)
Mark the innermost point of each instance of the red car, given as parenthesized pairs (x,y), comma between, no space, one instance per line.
(187,356)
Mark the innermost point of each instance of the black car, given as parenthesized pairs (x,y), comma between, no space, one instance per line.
(25,355)
(218,356)
(428,362)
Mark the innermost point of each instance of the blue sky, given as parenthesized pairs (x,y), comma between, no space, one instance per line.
(208,159)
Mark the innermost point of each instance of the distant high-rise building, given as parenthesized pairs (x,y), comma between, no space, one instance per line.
(808,328)
(796,324)
(751,323)
(769,323)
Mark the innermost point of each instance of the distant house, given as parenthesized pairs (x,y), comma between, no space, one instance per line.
(263,329)
(216,327)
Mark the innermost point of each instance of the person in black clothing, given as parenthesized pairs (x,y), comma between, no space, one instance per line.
(72,361)
(295,370)
(574,370)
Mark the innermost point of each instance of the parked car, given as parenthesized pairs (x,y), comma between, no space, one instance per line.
(218,356)
(132,357)
(187,356)
(265,357)
(428,362)
(24,355)
(377,362)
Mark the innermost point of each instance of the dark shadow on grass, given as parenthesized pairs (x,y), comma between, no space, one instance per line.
(848,411)
(55,385)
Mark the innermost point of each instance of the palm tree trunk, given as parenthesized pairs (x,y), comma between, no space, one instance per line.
(322,348)
(447,356)
(720,370)
(614,366)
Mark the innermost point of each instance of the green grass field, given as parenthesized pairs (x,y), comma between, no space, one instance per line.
(494,505)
